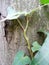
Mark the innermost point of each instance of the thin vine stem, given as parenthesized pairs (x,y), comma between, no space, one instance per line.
(28,42)
(28,12)
(20,24)
(27,24)
(39,7)
(25,35)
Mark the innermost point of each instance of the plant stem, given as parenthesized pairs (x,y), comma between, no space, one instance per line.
(33,10)
(25,36)
(28,12)
(3,20)
(28,42)
(20,24)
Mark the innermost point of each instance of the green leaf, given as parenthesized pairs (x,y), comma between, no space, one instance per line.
(20,59)
(42,57)
(44,1)
(36,46)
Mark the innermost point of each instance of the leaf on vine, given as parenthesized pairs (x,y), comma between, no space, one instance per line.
(42,56)
(44,1)
(20,59)
(36,46)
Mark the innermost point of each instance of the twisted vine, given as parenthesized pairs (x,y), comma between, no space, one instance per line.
(25,36)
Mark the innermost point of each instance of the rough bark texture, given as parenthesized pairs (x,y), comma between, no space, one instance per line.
(15,39)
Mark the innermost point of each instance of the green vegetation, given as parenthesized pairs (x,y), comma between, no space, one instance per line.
(44,1)
(42,56)
(20,59)
(36,46)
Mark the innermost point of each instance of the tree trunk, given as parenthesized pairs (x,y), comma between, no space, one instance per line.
(14,41)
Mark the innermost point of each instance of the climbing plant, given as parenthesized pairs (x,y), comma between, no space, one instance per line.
(42,56)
